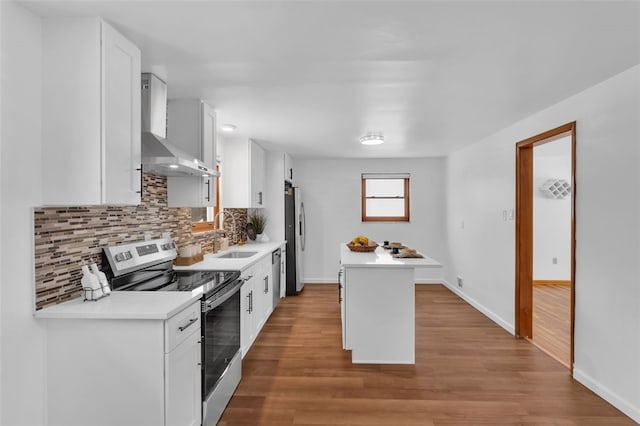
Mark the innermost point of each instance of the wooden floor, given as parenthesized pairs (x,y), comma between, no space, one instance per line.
(552,321)
(468,371)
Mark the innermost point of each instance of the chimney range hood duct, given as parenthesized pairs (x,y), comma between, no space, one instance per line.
(159,156)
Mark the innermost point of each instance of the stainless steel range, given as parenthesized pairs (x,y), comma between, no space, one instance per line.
(148,266)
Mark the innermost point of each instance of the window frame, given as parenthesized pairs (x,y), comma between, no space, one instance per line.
(406,189)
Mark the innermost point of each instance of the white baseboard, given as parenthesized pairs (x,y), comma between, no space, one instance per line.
(602,391)
(333,280)
(487,312)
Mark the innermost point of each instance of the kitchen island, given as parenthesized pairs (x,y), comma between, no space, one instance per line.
(377,301)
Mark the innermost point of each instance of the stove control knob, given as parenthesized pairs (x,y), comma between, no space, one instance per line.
(127,255)
(119,257)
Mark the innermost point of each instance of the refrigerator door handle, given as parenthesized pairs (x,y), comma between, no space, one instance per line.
(303,227)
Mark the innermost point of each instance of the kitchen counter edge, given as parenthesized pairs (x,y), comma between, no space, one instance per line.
(138,305)
(212,262)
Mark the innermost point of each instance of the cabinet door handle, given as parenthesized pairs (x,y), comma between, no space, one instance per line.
(251,302)
(141,179)
(249,307)
(291,173)
(260,197)
(189,324)
(266,284)
(209,190)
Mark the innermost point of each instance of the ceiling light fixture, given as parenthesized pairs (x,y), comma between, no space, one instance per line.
(228,128)
(372,139)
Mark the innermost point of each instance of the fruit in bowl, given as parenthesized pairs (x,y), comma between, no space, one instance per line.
(362,244)
(360,240)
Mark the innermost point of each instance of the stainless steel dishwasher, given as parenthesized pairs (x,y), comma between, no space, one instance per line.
(275,267)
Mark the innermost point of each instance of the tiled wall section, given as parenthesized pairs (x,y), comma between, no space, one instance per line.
(66,236)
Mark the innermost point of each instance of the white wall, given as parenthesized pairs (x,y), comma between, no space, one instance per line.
(22,392)
(551,216)
(480,184)
(331,191)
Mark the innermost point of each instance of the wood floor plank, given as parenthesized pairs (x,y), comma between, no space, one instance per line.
(552,321)
(468,371)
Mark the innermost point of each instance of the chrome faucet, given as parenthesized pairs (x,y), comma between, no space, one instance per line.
(215,220)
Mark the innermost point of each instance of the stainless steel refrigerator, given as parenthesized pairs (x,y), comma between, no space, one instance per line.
(295,228)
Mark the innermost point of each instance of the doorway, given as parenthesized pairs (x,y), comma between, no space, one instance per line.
(525,190)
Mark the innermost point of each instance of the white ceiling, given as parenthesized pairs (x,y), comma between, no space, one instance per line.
(311,77)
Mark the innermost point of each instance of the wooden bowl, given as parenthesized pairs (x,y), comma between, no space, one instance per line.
(363,249)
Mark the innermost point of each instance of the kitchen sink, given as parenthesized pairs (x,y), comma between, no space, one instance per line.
(237,254)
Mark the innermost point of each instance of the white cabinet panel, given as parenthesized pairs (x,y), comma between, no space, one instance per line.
(258,175)
(288,168)
(243,174)
(183,391)
(248,316)
(256,301)
(91,114)
(191,126)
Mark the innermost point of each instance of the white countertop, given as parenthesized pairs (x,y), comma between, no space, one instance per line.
(212,262)
(383,258)
(157,305)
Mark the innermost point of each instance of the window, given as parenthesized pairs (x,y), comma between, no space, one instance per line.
(385,197)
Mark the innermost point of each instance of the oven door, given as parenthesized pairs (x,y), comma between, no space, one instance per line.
(221,332)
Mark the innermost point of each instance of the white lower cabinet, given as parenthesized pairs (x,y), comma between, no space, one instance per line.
(257,301)
(248,328)
(342,279)
(126,372)
(183,383)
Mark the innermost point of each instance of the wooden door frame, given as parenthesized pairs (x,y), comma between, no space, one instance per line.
(524,228)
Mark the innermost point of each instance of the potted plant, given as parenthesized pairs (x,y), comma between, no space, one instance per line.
(259,221)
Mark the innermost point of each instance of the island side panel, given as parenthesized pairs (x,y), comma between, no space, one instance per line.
(381,314)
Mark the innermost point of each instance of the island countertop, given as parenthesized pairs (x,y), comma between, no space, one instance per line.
(382,258)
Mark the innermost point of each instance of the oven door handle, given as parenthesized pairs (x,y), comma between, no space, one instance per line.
(209,306)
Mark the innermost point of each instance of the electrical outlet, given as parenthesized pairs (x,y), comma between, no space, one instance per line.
(554,260)
(504,215)
(460,283)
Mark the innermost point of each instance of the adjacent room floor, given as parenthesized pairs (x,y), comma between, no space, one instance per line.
(552,321)
(468,371)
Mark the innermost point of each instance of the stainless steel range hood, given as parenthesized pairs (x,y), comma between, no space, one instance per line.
(159,156)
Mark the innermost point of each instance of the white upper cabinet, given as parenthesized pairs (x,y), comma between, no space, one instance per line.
(91,114)
(191,126)
(288,168)
(243,174)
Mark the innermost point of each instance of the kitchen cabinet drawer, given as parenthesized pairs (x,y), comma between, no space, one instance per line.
(180,326)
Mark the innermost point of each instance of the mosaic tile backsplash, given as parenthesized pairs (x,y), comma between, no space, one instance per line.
(66,236)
